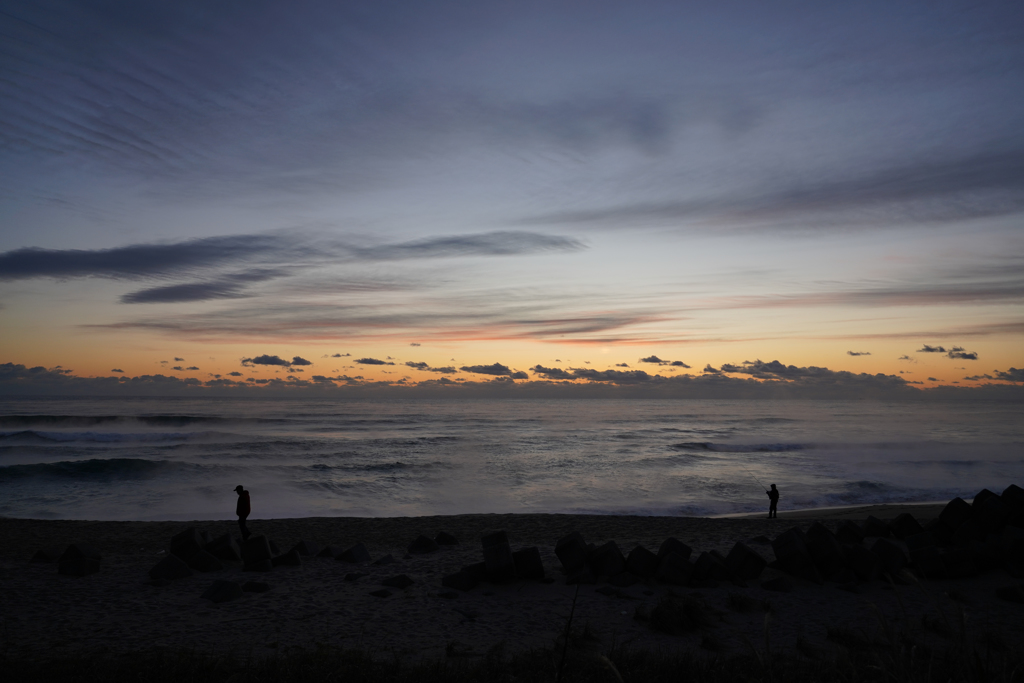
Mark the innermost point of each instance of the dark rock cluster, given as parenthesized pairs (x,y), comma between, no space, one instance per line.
(500,564)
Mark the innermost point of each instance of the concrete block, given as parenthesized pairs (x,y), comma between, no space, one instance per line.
(256,549)
(170,568)
(607,560)
(642,562)
(498,557)
(572,552)
(672,545)
(187,543)
(876,527)
(745,563)
(222,591)
(890,555)
(422,545)
(956,512)
(528,563)
(202,561)
(905,525)
(355,554)
(225,548)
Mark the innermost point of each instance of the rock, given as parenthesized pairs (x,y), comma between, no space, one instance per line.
(779,585)
(849,532)
(940,532)
(794,557)
(642,562)
(202,561)
(864,563)
(967,532)
(422,545)
(890,555)
(352,577)
(956,512)
(225,548)
(498,557)
(709,566)
(357,554)
(623,580)
(79,559)
(607,560)
(400,581)
(958,563)
(387,559)
(674,568)
(289,559)
(905,525)
(51,554)
(274,550)
(992,513)
(169,568)
(258,566)
(187,543)
(672,545)
(462,581)
(256,549)
(444,538)
(744,562)
(572,553)
(1013,496)
(528,563)
(982,496)
(222,591)
(1011,594)
(329,551)
(477,570)
(825,550)
(382,593)
(307,548)
(876,527)
(924,556)
(255,587)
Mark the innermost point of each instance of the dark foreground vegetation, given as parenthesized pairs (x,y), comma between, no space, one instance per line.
(852,656)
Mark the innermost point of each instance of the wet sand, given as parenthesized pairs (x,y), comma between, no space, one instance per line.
(118,610)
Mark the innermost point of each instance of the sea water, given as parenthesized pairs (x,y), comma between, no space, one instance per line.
(173,458)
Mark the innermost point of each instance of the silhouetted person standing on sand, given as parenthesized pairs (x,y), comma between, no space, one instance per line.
(242,509)
(773,496)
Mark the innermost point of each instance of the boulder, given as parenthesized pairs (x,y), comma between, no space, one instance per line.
(51,554)
(956,512)
(571,551)
(79,559)
(256,549)
(528,563)
(444,538)
(992,514)
(400,581)
(672,545)
(709,566)
(170,568)
(642,562)
(958,563)
(255,587)
(744,562)
(498,557)
(674,568)
(258,566)
(307,548)
(187,543)
(981,497)
(202,561)
(356,554)
(222,591)
(779,585)
(462,581)
(329,551)
(794,557)
(876,527)
(849,532)
(864,563)
(940,532)
(289,559)
(905,525)
(422,545)
(225,548)
(890,555)
(607,560)
(825,550)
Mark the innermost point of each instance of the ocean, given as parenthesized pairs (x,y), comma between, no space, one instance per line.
(174,458)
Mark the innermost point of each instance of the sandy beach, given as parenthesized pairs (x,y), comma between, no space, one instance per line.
(118,609)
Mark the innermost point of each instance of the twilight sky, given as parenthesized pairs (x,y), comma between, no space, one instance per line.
(673,195)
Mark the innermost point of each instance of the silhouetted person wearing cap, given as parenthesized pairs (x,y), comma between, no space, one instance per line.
(242,509)
(773,497)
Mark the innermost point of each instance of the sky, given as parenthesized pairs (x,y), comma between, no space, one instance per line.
(568,198)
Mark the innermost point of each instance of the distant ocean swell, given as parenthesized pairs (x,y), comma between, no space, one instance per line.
(179,459)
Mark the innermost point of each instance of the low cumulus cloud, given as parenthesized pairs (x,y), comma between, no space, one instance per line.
(658,361)
(710,370)
(191,367)
(425,367)
(341,355)
(275,360)
(496,369)
(931,349)
(372,361)
(235,373)
(590,374)
(858,353)
(117,370)
(958,352)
